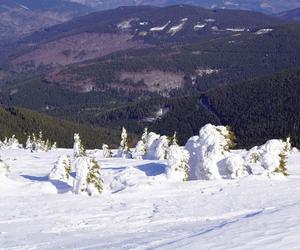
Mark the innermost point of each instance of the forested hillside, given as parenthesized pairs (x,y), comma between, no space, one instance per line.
(22,122)
(261,109)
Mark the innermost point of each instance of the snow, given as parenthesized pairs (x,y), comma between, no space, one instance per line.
(236,29)
(263,31)
(140,208)
(126,24)
(199,26)
(160,28)
(210,20)
(173,30)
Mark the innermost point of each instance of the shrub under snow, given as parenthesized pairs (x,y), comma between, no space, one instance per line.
(178,168)
(234,166)
(88,178)
(272,156)
(61,170)
(207,150)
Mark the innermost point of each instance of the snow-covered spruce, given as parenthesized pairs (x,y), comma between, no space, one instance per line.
(11,143)
(178,168)
(234,166)
(141,147)
(78,147)
(106,151)
(139,151)
(124,150)
(162,148)
(273,156)
(37,143)
(88,178)
(207,150)
(151,144)
(62,169)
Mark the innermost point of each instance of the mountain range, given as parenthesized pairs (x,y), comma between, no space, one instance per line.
(21,17)
(153,66)
(265,6)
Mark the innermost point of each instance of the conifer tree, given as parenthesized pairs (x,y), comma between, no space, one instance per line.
(124,150)
(62,169)
(88,178)
(106,151)
(78,147)
(174,140)
(178,164)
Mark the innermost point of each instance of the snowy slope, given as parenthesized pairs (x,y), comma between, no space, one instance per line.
(141,209)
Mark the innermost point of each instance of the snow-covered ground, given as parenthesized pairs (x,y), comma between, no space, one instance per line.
(141,209)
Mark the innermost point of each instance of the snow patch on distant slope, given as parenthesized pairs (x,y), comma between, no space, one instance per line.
(173,30)
(263,31)
(199,26)
(160,28)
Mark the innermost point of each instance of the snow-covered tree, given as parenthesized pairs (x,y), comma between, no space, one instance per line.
(62,169)
(78,147)
(178,167)
(235,166)
(28,143)
(106,151)
(139,150)
(151,145)
(145,136)
(162,148)
(207,150)
(174,140)
(124,150)
(88,178)
(273,157)
(13,143)
(37,143)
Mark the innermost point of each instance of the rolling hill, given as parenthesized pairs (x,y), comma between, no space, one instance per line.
(293,15)
(23,122)
(19,18)
(102,33)
(266,6)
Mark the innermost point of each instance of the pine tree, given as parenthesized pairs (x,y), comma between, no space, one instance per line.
(79,149)
(106,151)
(178,164)
(124,150)
(283,156)
(93,178)
(145,136)
(88,178)
(62,169)
(174,140)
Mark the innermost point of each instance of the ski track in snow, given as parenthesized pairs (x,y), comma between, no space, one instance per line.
(141,209)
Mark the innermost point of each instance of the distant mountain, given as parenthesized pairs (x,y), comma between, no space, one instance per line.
(102,33)
(21,17)
(293,15)
(266,6)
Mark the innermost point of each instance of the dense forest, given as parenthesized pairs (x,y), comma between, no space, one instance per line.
(262,108)
(22,122)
